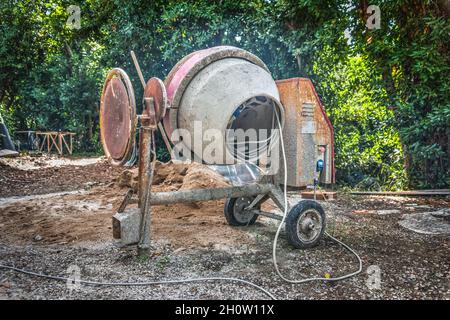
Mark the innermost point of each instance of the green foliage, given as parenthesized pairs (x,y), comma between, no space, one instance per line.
(50,75)
(411,53)
(385,90)
(77,79)
(367,144)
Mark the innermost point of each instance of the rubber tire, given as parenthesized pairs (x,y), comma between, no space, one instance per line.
(291,223)
(228,210)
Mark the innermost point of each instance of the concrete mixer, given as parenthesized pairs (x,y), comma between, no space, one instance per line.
(207,98)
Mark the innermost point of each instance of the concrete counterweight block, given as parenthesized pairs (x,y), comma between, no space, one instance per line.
(126,226)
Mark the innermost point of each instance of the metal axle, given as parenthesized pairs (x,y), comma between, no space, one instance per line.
(159,198)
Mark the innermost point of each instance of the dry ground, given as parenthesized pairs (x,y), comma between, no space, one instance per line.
(53,218)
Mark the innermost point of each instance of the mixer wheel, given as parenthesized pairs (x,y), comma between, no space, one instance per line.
(235,211)
(305,224)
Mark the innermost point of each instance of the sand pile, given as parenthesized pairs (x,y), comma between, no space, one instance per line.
(172,176)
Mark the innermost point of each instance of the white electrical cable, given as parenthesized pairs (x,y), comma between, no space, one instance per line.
(134,284)
(274,247)
(262,145)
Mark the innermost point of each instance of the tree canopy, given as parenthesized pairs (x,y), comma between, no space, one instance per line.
(386,90)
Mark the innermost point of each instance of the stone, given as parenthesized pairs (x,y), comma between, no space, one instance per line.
(431,223)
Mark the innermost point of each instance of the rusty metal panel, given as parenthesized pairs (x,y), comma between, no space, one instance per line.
(156,90)
(308,134)
(117,116)
(116,122)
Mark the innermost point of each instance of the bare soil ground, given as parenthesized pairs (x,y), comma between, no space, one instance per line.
(53,218)
(42,175)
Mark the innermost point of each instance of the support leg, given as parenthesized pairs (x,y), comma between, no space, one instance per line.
(146,175)
(258,200)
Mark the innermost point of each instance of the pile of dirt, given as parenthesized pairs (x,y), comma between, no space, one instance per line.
(78,217)
(127,179)
(171,176)
(185,176)
(202,177)
(167,176)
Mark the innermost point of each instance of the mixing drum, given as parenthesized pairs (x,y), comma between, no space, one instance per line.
(217,90)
